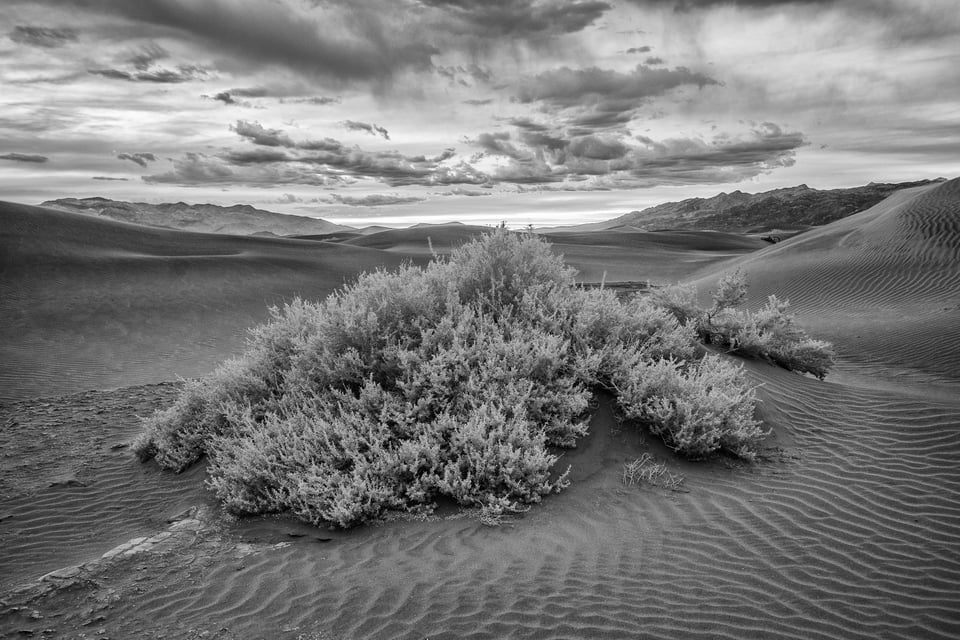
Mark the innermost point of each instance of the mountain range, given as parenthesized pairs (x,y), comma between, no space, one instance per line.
(238,219)
(788,210)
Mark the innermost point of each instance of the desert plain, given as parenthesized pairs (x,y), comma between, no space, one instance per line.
(846,526)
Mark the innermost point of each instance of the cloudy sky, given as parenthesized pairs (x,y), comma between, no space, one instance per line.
(529,111)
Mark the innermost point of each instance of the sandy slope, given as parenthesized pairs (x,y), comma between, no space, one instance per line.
(848,527)
(884,284)
(623,254)
(92,303)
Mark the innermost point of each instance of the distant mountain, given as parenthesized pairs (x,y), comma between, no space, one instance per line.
(790,209)
(241,220)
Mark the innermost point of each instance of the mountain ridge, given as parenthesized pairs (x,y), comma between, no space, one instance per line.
(238,219)
(790,209)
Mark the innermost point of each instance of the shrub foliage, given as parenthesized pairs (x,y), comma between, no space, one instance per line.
(460,379)
(769,334)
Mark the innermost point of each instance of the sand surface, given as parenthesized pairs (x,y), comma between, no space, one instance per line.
(847,527)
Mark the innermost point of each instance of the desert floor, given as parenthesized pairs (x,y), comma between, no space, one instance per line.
(847,527)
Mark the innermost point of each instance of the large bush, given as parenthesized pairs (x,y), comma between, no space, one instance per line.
(457,380)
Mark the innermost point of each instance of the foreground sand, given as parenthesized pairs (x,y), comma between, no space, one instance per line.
(848,527)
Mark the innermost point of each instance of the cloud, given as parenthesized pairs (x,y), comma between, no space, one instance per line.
(147,55)
(255,132)
(690,5)
(318,100)
(313,162)
(109,179)
(519,18)
(533,152)
(372,129)
(478,103)
(622,161)
(643,49)
(183,73)
(138,158)
(464,74)
(460,191)
(726,158)
(228,98)
(42,36)
(196,168)
(248,92)
(597,148)
(565,87)
(225,97)
(499,144)
(375,200)
(255,156)
(344,41)
(24,157)
(653,60)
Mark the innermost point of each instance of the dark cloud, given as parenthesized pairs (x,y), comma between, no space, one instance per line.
(109,179)
(147,56)
(255,156)
(139,158)
(653,60)
(643,49)
(342,41)
(478,103)
(519,18)
(196,168)
(597,148)
(24,157)
(609,161)
(466,75)
(538,135)
(183,73)
(724,159)
(372,129)
(567,87)
(499,144)
(225,97)
(690,5)
(318,100)
(255,133)
(533,153)
(42,36)
(313,162)
(375,200)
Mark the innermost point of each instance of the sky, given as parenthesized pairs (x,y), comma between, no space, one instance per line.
(535,112)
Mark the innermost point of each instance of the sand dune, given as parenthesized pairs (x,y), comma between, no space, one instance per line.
(417,240)
(661,257)
(91,303)
(623,254)
(848,527)
(883,284)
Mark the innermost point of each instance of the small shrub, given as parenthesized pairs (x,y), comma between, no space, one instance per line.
(698,408)
(648,469)
(770,334)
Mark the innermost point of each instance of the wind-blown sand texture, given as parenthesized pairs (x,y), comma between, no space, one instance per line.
(848,526)
(92,303)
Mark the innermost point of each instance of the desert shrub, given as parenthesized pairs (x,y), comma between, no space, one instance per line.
(697,407)
(770,334)
(648,469)
(454,380)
